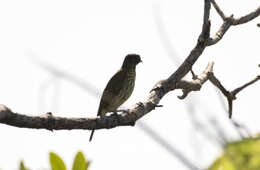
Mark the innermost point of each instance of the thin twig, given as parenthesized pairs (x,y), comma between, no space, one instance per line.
(230,21)
(237,90)
(220,12)
(230,95)
(246,18)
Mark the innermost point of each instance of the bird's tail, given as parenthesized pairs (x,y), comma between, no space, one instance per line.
(91,135)
(92,132)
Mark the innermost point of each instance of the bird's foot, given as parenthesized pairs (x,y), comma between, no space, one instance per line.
(117,116)
(127,111)
(132,123)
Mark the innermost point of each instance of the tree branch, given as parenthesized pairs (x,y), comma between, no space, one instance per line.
(220,33)
(208,74)
(230,95)
(195,84)
(219,11)
(128,117)
(230,21)
(246,18)
(50,122)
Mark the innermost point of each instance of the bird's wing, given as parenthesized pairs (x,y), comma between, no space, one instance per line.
(114,85)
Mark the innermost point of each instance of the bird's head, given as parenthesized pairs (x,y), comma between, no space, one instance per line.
(131,60)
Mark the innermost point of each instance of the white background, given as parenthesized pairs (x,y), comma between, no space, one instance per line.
(87,40)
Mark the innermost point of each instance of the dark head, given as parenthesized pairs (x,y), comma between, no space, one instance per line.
(131,60)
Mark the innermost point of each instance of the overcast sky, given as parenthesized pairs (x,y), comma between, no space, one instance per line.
(87,41)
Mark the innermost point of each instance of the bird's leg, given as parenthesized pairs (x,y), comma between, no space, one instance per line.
(131,123)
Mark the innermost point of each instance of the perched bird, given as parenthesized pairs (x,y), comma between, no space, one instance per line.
(120,87)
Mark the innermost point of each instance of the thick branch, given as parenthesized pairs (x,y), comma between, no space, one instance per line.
(50,122)
(197,51)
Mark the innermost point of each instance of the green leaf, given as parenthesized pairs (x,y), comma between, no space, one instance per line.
(56,162)
(242,155)
(22,167)
(80,162)
(222,163)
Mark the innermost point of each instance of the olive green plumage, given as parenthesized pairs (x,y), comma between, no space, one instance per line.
(120,87)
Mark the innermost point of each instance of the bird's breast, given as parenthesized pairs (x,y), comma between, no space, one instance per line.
(128,87)
(123,93)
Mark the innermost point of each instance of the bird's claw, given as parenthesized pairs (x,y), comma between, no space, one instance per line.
(117,116)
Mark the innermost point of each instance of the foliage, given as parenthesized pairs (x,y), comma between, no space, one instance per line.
(80,163)
(22,166)
(242,155)
(56,162)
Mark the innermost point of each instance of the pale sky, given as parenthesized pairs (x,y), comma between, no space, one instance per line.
(87,41)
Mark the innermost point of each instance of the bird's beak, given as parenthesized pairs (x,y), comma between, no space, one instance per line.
(141,61)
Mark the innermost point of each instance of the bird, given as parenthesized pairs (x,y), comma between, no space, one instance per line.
(120,87)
